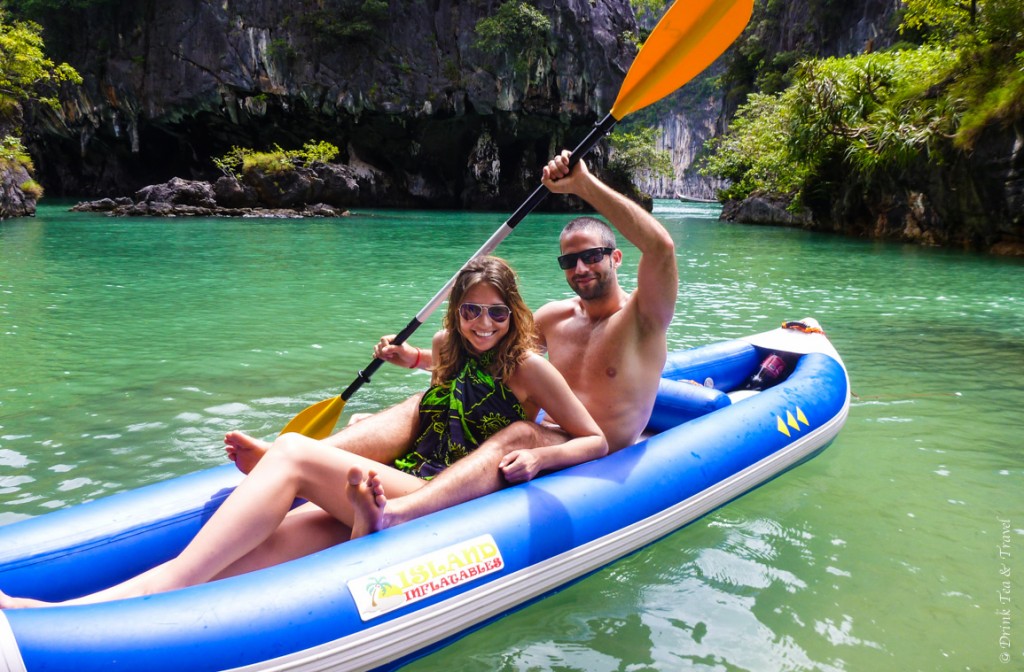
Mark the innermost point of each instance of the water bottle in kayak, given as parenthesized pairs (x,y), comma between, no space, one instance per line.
(769,373)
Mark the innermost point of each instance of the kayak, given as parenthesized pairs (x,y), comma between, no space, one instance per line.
(381,600)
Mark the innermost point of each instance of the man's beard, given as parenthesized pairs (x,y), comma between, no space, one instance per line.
(594,290)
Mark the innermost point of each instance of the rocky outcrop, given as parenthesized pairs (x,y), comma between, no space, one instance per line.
(320,190)
(406,94)
(15,199)
(760,209)
(973,201)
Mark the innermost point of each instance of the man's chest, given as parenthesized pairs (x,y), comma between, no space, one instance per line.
(582,349)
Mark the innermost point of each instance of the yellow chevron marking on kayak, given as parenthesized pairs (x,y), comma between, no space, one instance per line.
(792,421)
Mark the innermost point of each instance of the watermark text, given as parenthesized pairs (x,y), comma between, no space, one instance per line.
(1005,594)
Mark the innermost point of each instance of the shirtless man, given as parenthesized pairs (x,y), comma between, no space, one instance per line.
(609,345)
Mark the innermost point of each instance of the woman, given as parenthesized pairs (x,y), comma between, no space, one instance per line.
(487,374)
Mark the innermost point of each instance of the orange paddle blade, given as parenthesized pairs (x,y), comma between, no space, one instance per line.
(317,421)
(691,35)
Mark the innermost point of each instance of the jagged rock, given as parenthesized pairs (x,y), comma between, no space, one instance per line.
(227,198)
(178,192)
(764,210)
(230,193)
(285,189)
(101,205)
(14,200)
(322,210)
(342,185)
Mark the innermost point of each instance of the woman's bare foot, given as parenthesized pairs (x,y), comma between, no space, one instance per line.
(8,602)
(359,417)
(368,502)
(244,450)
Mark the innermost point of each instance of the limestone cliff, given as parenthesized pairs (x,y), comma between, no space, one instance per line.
(405,93)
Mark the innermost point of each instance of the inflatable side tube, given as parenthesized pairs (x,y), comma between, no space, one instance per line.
(728,364)
(85,548)
(682,401)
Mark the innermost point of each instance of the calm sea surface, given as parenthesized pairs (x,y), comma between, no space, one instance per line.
(129,346)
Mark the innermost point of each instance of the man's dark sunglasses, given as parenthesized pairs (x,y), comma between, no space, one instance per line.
(591,256)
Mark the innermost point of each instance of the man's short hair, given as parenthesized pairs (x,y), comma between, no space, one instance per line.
(592,225)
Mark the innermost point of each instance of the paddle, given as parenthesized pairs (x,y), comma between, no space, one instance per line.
(688,38)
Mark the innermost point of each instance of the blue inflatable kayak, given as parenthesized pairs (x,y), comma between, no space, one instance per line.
(380,600)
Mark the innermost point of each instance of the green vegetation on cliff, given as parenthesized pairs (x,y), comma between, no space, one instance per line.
(341,20)
(26,74)
(242,160)
(867,117)
(873,112)
(516,28)
(635,154)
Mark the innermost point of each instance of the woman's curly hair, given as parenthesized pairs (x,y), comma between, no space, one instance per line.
(518,344)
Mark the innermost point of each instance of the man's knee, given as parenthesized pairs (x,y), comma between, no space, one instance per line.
(521,435)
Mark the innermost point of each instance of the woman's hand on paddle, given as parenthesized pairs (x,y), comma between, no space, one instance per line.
(400,355)
(520,466)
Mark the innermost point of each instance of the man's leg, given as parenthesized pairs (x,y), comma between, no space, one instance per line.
(382,437)
(473,476)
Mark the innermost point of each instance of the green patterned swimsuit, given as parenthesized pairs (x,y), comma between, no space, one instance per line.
(457,417)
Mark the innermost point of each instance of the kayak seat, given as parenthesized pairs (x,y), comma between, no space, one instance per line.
(679,401)
(695,382)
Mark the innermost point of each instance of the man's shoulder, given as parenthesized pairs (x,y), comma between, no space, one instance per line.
(556,308)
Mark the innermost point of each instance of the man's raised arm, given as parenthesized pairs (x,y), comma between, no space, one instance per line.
(657,272)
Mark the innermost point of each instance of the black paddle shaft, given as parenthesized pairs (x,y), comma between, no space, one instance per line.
(600,129)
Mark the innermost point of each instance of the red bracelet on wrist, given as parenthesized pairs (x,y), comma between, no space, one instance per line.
(419,353)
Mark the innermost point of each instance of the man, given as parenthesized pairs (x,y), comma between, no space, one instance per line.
(609,345)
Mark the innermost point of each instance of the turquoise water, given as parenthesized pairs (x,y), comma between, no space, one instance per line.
(128,347)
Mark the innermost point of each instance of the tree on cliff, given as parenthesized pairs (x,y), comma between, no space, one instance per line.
(865,120)
(26,75)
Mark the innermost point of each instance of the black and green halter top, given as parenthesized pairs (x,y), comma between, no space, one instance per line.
(455,418)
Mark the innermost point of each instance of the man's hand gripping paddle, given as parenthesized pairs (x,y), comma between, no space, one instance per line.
(689,37)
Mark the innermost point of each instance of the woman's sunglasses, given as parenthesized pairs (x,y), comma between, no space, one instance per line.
(498,312)
(591,256)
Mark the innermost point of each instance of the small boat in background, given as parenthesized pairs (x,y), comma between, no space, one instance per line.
(379,601)
(694,199)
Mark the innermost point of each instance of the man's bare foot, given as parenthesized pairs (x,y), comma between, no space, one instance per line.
(368,502)
(8,602)
(244,450)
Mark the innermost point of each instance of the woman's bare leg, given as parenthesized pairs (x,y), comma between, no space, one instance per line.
(384,437)
(297,466)
(306,529)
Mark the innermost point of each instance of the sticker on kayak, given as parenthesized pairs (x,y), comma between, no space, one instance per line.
(411,581)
